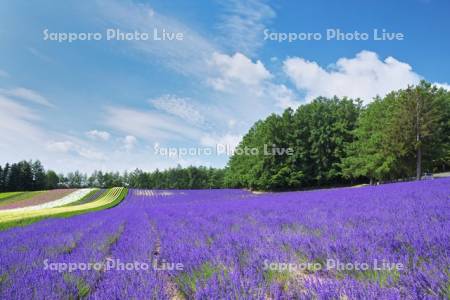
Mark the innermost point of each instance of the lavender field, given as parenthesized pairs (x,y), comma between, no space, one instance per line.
(232,244)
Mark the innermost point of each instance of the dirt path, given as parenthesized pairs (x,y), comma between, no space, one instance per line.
(171,288)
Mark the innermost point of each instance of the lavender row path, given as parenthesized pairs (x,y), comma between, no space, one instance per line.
(234,244)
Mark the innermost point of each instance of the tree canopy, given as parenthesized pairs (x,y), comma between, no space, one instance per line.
(335,141)
(29,176)
(402,135)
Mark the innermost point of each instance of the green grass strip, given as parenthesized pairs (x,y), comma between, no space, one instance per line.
(8,194)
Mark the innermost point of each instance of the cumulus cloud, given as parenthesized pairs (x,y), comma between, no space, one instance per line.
(236,69)
(28,95)
(250,82)
(98,135)
(283,96)
(364,76)
(179,107)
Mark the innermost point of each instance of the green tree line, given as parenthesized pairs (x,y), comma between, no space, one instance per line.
(23,176)
(173,178)
(339,141)
(31,176)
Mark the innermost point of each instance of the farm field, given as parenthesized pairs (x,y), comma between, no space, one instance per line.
(79,201)
(6,199)
(48,199)
(27,199)
(91,196)
(222,244)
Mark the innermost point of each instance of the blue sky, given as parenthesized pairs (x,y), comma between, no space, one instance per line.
(109,104)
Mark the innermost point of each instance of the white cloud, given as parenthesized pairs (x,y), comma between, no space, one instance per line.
(200,57)
(98,135)
(24,137)
(149,125)
(28,95)
(242,24)
(186,56)
(10,107)
(129,142)
(91,154)
(179,107)
(250,82)
(75,148)
(445,86)
(236,69)
(64,146)
(364,76)
(283,96)
(230,141)
(231,123)
(17,124)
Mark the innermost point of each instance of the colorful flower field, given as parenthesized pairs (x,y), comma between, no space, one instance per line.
(79,201)
(70,197)
(36,199)
(378,242)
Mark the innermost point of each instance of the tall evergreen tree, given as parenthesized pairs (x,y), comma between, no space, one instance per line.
(39,176)
(2,180)
(401,134)
(13,178)
(52,180)
(5,176)
(418,124)
(317,133)
(373,154)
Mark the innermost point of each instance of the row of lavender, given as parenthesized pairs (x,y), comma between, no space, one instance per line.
(226,244)
(226,239)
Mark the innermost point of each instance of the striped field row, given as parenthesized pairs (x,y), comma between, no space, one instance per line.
(110,197)
(72,197)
